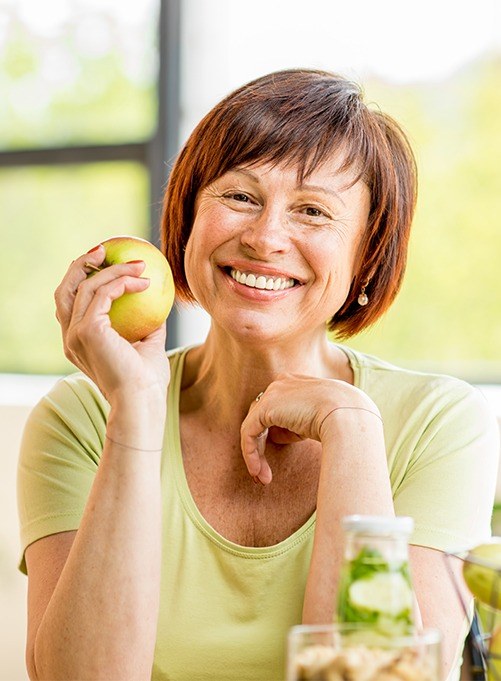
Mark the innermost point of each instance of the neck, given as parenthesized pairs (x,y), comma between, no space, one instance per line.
(223,376)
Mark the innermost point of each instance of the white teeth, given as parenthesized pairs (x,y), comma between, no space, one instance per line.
(262,282)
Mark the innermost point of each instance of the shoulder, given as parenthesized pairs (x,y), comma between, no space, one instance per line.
(74,395)
(75,398)
(69,421)
(375,375)
(423,400)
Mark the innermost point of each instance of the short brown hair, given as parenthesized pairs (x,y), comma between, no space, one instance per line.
(301,117)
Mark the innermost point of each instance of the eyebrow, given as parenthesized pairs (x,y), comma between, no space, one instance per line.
(302,186)
(322,190)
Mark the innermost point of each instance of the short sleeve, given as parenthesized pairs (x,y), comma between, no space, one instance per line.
(60,451)
(450,482)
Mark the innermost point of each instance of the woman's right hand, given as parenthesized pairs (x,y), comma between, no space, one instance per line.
(82,307)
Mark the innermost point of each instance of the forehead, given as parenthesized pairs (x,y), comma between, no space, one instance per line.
(335,172)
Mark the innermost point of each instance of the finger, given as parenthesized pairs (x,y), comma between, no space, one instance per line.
(84,331)
(253,443)
(77,272)
(87,289)
(282,436)
(100,303)
(157,336)
(153,343)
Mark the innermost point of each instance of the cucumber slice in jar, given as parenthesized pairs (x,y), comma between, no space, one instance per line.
(387,593)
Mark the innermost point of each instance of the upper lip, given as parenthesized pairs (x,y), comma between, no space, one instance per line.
(265,270)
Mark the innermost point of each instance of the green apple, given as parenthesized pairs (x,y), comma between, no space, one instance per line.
(482,572)
(135,315)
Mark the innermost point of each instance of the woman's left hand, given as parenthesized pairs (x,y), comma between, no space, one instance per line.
(293,408)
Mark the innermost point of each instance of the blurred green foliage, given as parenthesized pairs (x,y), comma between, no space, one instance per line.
(448,313)
(62,90)
(91,82)
(87,80)
(49,217)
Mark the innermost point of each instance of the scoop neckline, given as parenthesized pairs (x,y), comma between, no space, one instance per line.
(250,552)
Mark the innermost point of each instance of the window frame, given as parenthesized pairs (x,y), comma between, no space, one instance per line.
(153,153)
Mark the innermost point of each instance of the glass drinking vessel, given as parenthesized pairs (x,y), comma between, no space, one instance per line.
(338,651)
(376,585)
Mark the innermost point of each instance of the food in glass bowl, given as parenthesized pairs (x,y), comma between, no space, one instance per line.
(340,652)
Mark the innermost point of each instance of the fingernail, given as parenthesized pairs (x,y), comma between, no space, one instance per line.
(133,262)
(94,249)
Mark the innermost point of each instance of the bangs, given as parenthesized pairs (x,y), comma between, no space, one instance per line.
(302,128)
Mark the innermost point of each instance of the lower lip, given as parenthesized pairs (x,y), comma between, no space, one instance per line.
(257,294)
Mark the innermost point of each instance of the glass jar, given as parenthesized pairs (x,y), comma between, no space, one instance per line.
(376,586)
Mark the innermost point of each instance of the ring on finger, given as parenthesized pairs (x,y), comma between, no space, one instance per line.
(259,396)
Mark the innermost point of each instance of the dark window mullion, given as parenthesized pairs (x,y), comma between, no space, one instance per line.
(165,144)
(49,156)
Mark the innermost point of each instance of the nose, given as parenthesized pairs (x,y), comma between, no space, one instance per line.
(267,234)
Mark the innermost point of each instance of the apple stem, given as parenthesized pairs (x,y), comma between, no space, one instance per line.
(92,267)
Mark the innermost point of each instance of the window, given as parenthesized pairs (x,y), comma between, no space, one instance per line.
(81,83)
(82,152)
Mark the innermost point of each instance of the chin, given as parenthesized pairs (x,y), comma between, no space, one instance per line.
(258,331)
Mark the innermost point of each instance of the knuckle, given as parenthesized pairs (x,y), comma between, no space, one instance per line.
(58,296)
(67,349)
(69,339)
(76,337)
(83,285)
(83,335)
(103,293)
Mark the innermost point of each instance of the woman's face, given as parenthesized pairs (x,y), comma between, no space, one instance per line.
(269,257)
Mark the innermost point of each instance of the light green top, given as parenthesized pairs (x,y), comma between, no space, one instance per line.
(226,609)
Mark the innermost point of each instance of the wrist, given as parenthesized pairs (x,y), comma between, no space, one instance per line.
(132,400)
(137,424)
(342,417)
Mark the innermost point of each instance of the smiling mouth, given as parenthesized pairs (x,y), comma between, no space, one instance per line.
(260,281)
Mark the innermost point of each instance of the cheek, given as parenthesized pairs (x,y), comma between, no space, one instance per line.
(203,241)
(193,258)
(333,255)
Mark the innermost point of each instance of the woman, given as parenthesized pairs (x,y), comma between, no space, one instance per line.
(182,543)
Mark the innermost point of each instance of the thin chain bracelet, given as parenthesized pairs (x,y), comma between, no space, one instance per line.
(357,408)
(135,449)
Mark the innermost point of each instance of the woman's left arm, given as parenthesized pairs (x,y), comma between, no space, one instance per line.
(354,471)
(354,478)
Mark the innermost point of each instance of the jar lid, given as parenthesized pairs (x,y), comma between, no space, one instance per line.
(378,524)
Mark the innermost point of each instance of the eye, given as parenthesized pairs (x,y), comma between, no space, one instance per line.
(313,212)
(238,196)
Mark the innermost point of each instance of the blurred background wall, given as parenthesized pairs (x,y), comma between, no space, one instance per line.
(97,95)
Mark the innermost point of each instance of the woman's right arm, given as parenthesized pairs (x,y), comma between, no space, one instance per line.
(93,595)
